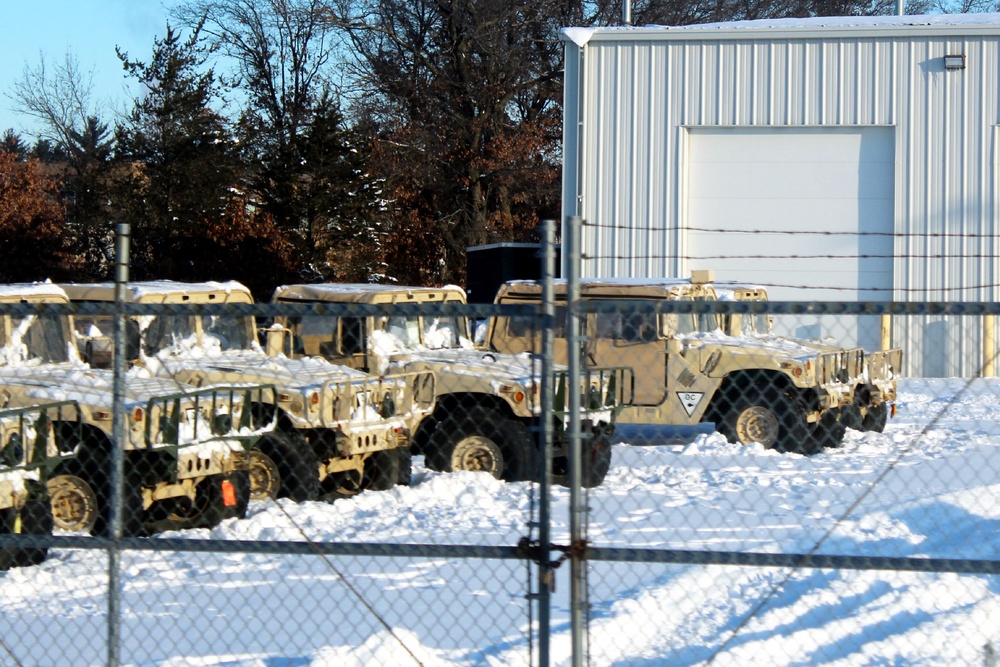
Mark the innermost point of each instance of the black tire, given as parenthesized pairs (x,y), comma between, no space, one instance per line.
(35,519)
(381,471)
(828,432)
(296,462)
(212,498)
(89,474)
(876,418)
(482,440)
(405,466)
(596,463)
(775,422)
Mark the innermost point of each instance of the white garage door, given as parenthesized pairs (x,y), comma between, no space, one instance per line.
(753,192)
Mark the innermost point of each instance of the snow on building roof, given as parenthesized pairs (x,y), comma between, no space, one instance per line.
(818,25)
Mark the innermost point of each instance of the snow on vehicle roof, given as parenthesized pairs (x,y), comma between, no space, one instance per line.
(357,291)
(137,291)
(18,291)
(985,23)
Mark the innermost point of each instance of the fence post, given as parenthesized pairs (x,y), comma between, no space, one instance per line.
(885,332)
(545,571)
(577,592)
(116,474)
(989,346)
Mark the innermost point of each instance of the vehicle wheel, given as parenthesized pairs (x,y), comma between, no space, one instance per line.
(74,504)
(482,441)
(875,418)
(851,416)
(343,484)
(381,471)
(776,424)
(596,463)
(222,497)
(217,498)
(405,465)
(296,465)
(35,518)
(265,480)
(828,432)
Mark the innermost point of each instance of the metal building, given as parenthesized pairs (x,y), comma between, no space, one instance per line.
(834,159)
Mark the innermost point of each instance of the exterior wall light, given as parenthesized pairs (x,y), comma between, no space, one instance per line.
(954,62)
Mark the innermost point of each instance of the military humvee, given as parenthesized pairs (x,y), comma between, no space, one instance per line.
(687,370)
(183,454)
(339,431)
(28,454)
(875,394)
(486,402)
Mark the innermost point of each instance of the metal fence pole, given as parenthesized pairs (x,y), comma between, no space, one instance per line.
(578,594)
(117,477)
(545,571)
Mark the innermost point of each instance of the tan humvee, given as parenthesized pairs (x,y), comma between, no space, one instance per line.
(688,371)
(875,394)
(486,402)
(28,455)
(340,431)
(183,453)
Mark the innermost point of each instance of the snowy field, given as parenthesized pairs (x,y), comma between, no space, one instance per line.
(926,488)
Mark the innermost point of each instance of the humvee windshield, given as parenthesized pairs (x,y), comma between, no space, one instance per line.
(166,331)
(44,337)
(436,333)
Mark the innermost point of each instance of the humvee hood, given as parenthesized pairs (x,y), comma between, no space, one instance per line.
(255,368)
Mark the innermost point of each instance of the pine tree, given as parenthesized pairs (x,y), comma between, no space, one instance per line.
(179,156)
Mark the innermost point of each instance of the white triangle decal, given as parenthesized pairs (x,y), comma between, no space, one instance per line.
(690,400)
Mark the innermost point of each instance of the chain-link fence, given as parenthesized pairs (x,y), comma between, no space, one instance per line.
(362,475)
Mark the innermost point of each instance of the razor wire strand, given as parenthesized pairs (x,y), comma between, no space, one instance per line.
(889,467)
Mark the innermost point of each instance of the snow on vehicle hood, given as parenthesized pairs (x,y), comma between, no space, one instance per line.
(257,367)
(391,354)
(752,343)
(88,386)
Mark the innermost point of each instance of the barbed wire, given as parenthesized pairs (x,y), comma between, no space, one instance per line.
(926,292)
(795,232)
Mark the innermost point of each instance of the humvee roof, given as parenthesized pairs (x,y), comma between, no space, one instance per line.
(162,291)
(368,293)
(609,287)
(34,292)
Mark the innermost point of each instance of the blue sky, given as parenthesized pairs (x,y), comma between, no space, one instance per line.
(90,29)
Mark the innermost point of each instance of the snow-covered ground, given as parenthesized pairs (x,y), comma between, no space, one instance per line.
(926,488)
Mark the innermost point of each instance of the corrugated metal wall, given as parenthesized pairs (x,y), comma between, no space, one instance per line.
(630,102)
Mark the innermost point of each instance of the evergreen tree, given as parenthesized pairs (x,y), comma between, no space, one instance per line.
(11,142)
(179,158)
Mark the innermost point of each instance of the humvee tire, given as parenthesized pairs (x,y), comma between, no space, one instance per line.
(211,498)
(596,463)
(80,496)
(381,471)
(875,419)
(485,441)
(774,423)
(405,466)
(35,518)
(294,462)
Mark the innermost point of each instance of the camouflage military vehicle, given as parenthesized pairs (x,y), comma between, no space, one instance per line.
(486,402)
(875,393)
(183,454)
(785,396)
(339,431)
(28,455)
